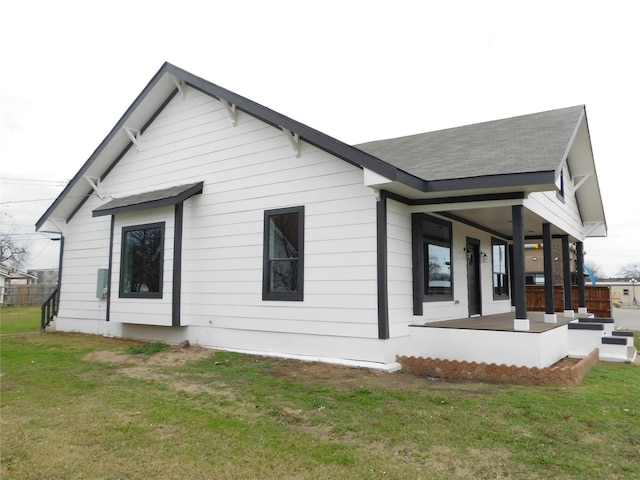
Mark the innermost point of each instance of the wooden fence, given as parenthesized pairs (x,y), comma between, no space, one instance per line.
(26,294)
(598,299)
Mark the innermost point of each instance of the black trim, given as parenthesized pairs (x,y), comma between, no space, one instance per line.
(582,302)
(614,341)
(157,294)
(490,181)
(110,268)
(473,272)
(596,320)
(382,274)
(585,326)
(114,131)
(329,144)
(177,265)
(142,130)
(547,254)
(519,283)
(622,333)
(488,197)
(496,242)
(566,273)
(418,261)
(298,295)
(77,209)
(155,199)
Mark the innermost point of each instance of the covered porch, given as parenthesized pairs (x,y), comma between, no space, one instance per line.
(493,339)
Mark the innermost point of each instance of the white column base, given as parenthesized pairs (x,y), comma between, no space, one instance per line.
(521,325)
(582,310)
(568,314)
(550,318)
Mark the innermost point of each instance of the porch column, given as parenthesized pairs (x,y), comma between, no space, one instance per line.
(521,321)
(566,275)
(549,304)
(582,302)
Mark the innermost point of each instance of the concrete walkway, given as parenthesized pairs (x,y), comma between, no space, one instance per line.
(628,318)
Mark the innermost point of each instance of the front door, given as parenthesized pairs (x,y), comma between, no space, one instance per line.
(473,276)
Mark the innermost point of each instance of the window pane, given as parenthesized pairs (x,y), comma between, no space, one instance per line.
(438,270)
(283,254)
(499,258)
(283,236)
(284,276)
(142,260)
(500,278)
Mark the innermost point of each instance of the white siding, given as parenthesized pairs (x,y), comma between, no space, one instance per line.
(246,170)
(399,268)
(564,214)
(86,249)
(146,311)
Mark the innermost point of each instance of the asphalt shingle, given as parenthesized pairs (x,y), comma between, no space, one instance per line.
(530,143)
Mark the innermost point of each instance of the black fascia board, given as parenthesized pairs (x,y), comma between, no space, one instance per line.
(325,142)
(155,199)
(491,181)
(103,144)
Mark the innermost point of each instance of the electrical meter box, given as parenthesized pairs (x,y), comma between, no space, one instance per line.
(103,283)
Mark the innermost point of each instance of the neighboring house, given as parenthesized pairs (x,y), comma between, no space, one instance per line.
(10,276)
(624,291)
(208,217)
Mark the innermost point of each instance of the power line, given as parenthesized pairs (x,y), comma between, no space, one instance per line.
(21,181)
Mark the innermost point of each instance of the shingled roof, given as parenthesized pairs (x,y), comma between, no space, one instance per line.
(530,143)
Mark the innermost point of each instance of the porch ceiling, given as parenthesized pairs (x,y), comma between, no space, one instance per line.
(498,220)
(495,219)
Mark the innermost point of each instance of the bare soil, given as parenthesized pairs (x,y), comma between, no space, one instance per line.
(308,373)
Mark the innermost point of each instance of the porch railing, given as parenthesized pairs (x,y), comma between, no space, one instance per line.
(49,309)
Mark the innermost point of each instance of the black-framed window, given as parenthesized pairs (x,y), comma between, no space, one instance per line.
(141,261)
(438,264)
(500,269)
(283,257)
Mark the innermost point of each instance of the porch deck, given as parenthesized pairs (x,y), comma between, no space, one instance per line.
(502,322)
(492,339)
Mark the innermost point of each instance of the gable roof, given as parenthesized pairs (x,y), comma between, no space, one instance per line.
(525,144)
(522,153)
(164,85)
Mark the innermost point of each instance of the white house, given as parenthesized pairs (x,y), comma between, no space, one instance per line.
(208,217)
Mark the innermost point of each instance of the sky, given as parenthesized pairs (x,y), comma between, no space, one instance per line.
(355,70)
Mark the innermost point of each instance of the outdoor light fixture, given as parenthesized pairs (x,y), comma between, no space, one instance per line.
(633,287)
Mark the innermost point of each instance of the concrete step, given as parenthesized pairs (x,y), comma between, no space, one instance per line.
(615,349)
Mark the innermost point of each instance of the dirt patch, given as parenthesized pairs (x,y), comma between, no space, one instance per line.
(173,356)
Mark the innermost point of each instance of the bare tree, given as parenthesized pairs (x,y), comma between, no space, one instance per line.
(13,252)
(630,270)
(596,269)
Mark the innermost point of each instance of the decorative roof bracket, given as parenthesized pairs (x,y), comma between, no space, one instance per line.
(134,135)
(581,181)
(95,184)
(294,140)
(181,86)
(231,110)
(593,226)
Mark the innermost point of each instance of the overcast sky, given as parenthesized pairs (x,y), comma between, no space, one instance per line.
(356,70)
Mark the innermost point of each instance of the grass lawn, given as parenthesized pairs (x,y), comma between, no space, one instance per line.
(76,406)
